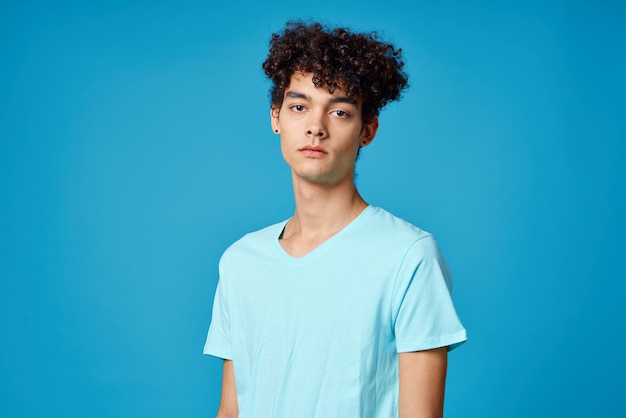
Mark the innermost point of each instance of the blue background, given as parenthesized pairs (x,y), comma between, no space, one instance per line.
(135,146)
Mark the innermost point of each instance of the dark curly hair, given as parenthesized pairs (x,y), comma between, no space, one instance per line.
(358,62)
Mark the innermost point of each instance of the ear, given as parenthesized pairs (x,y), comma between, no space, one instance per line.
(368,132)
(274,112)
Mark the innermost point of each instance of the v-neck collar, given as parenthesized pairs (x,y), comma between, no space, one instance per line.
(315,252)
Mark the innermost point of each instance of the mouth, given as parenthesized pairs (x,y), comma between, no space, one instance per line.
(313,152)
(310,148)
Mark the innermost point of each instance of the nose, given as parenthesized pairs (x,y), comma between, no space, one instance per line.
(315,131)
(316,127)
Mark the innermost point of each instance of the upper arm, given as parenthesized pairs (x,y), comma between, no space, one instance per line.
(228,401)
(422,383)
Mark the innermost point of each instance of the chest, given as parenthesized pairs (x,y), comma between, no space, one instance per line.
(343,303)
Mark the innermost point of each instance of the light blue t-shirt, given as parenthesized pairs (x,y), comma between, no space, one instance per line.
(319,336)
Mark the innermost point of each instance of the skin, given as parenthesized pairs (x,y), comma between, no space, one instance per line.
(228,401)
(320,135)
(422,383)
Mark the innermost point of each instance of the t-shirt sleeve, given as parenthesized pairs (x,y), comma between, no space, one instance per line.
(218,341)
(425,317)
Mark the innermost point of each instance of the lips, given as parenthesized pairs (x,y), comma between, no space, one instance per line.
(313,152)
(314,149)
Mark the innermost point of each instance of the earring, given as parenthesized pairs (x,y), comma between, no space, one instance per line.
(276,130)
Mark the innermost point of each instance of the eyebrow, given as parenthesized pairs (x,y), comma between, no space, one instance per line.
(335,99)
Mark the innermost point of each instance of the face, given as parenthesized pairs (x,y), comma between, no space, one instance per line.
(320,132)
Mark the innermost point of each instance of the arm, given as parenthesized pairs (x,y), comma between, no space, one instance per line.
(228,401)
(422,383)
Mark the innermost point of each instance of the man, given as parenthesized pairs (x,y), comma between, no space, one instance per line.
(343,310)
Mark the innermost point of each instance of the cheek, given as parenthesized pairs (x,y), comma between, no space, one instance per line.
(352,145)
(283,150)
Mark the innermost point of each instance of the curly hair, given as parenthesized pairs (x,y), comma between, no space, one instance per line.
(360,63)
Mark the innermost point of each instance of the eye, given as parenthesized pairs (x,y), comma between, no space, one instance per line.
(341,113)
(297,108)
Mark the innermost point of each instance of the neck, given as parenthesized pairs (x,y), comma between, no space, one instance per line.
(323,210)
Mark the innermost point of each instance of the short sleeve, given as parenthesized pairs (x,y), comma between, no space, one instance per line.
(425,317)
(218,342)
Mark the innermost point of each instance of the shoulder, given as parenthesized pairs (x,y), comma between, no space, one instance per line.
(253,243)
(387,226)
(399,239)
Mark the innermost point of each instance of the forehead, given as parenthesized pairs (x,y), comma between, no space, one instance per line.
(302,81)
